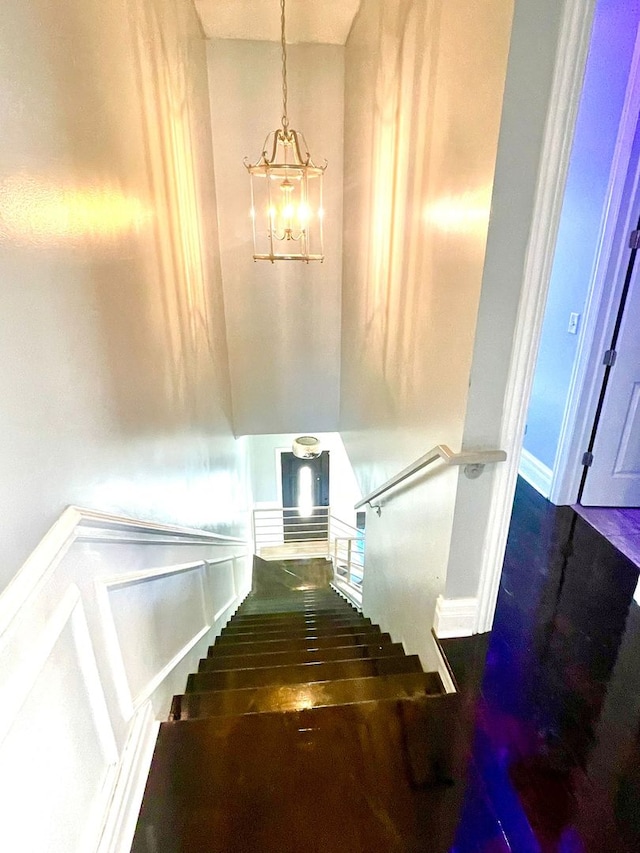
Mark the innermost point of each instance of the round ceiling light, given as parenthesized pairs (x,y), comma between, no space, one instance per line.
(306,447)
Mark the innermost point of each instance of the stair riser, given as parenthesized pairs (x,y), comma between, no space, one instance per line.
(324,600)
(304,656)
(284,594)
(290,607)
(294,633)
(233,649)
(292,614)
(301,673)
(240,627)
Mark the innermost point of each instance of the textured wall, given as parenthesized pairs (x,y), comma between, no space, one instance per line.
(113,365)
(424,84)
(283,319)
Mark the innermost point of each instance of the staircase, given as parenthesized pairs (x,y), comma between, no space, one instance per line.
(305,729)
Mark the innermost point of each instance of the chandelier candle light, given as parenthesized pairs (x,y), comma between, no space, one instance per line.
(286,190)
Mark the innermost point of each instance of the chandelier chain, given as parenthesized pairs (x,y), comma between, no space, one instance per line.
(285,117)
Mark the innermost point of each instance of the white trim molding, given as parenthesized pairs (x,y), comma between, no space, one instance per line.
(97,631)
(455,617)
(122,813)
(535,472)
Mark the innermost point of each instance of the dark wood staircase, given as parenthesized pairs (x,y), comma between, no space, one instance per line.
(305,729)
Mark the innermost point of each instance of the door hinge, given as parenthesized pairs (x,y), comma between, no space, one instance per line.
(587,459)
(634,240)
(609,358)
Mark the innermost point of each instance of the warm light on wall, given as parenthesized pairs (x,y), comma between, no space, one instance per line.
(467,212)
(33,210)
(286,191)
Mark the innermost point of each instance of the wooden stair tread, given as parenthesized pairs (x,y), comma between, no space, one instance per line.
(287,698)
(360,777)
(305,728)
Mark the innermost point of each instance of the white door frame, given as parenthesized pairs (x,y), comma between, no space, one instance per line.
(571,56)
(600,312)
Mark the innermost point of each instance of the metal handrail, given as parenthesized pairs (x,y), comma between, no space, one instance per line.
(473,460)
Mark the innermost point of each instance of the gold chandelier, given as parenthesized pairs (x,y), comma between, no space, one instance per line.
(286,190)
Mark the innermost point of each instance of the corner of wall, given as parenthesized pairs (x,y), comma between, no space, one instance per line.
(455,617)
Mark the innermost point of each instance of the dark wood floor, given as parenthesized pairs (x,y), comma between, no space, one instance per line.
(556,758)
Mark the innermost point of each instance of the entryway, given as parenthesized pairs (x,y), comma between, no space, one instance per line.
(305,496)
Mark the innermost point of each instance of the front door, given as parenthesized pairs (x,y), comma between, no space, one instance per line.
(305,497)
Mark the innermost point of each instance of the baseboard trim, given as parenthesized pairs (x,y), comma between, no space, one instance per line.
(133,769)
(455,617)
(535,473)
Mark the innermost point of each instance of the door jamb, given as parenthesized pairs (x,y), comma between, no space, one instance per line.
(573,46)
(600,308)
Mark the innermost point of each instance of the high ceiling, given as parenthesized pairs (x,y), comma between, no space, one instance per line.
(320,21)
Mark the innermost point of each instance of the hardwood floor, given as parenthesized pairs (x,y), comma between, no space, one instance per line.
(556,758)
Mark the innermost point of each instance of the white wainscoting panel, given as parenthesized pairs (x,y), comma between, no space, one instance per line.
(58,749)
(122,814)
(100,627)
(158,616)
(221,575)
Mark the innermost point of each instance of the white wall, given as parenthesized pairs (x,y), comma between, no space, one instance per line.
(113,366)
(265,473)
(283,319)
(586,204)
(424,85)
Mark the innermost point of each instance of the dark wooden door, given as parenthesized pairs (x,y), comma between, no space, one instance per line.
(305,494)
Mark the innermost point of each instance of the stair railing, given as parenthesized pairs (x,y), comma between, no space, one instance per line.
(284,528)
(348,561)
(474,462)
